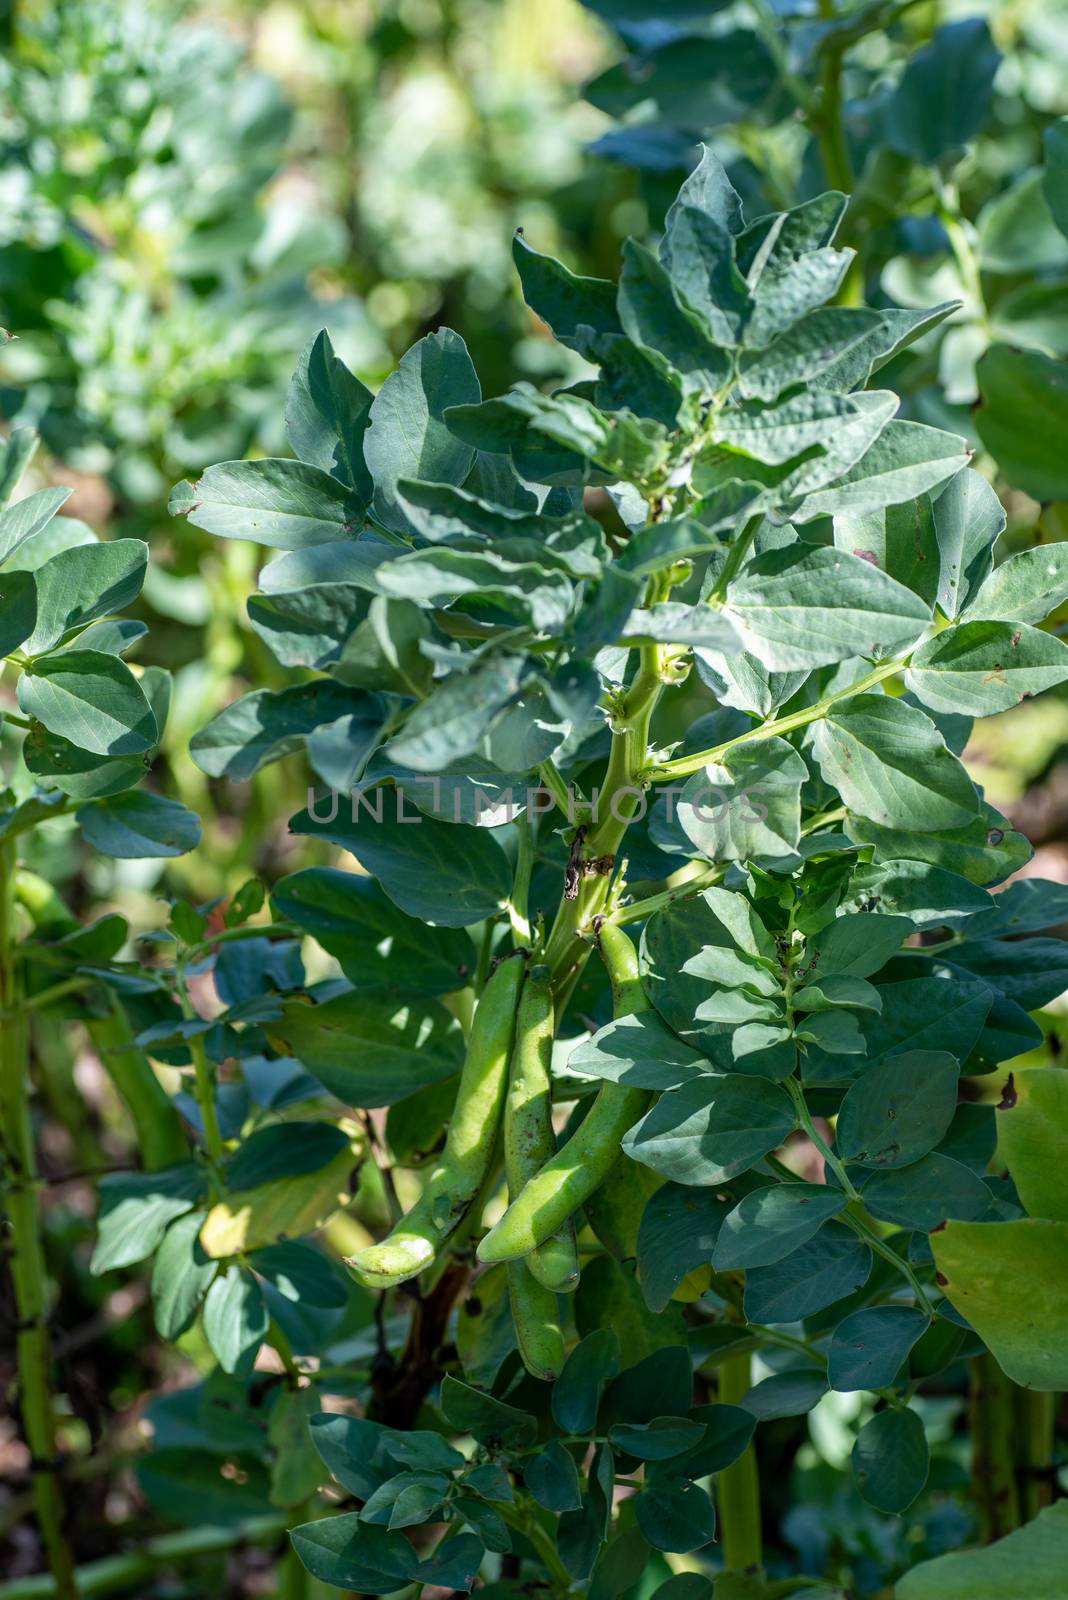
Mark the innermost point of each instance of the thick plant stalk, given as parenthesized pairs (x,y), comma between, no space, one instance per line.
(738,1486)
(25,1253)
(1035,1415)
(992,1415)
(161,1140)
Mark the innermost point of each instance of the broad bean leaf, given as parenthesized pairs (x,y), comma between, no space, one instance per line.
(181,1274)
(139,825)
(709,1130)
(989,1270)
(370,1049)
(639,1051)
(678,1232)
(1029,1561)
(944,94)
(923,1194)
(377,944)
(746,804)
(447,873)
(828,1267)
(1025,588)
(898,1110)
(407,436)
(575,308)
(889,762)
(770,1223)
(285,504)
(804,606)
(235,1319)
(91,699)
(891,1459)
(327,411)
(869,1348)
(968,520)
(135,1210)
(1021,417)
(985,667)
(1031,1120)
(266,725)
(348,1553)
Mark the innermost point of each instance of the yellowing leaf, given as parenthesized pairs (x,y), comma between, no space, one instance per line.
(1031,1122)
(285,1209)
(1010,1279)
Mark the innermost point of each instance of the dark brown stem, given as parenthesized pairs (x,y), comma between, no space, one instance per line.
(398,1389)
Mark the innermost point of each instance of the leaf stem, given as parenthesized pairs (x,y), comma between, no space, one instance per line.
(46,997)
(736,555)
(702,877)
(683,766)
(524,1520)
(804,1117)
(864,1231)
(251,930)
(519,904)
(552,779)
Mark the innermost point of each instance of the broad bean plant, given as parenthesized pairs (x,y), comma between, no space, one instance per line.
(620,1077)
(659,1032)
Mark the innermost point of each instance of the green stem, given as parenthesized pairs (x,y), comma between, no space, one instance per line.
(871,1237)
(250,930)
(1035,1415)
(827,121)
(804,1117)
(47,997)
(115,1573)
(32,1355)
(735,557)
(696,878)
(524,1519)
(738,1486)
(519,905)
(683,766)
(864,1231)
(552,779)
(960,242)
(618,804)
(787,1341)
(993,1453)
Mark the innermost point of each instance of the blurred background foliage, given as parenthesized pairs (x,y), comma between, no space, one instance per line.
(187,194)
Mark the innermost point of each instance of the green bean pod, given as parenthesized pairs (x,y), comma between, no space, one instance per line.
(529,1140)
(581,1165)
(455,1181)
(615,1210)
(536,1319)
